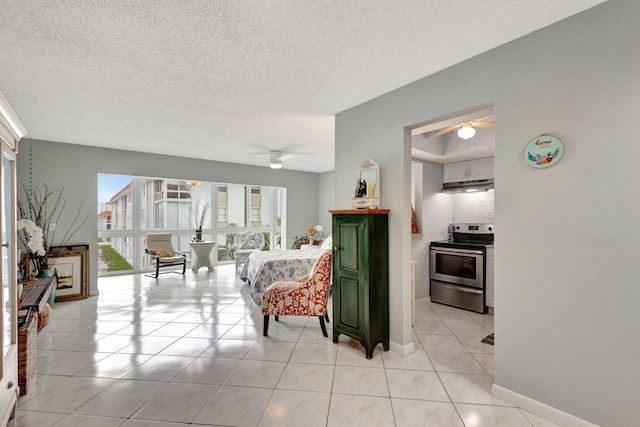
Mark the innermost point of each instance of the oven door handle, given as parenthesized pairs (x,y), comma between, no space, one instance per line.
(455,251)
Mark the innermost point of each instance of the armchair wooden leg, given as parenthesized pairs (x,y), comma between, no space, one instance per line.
(326,317)
(277,318)
(184,266)
(157,269)
(324,328)
(265,327)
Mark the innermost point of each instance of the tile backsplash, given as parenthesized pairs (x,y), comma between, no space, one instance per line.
(474,207)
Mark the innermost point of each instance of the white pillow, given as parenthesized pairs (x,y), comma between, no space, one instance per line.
(326,243)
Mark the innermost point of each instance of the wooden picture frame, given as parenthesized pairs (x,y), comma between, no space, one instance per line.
(70,265)
(24,267)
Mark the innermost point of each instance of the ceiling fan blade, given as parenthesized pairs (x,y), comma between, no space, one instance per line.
(484,125)
(446,130)
(274,155)
(489,119)
(286,157)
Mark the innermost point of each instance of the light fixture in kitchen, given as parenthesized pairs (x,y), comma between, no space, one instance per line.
(466,131)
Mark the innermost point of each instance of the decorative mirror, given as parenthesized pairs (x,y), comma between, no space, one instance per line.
(367,192)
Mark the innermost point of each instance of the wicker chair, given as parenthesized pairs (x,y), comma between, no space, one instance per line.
(305,297)
(160,249)
(245,244)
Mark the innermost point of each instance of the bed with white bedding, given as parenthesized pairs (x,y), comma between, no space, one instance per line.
(267,267)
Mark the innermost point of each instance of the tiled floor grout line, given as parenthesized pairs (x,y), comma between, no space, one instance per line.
(223,303)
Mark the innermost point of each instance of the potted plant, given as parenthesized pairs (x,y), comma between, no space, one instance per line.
(201,210)
(33,241)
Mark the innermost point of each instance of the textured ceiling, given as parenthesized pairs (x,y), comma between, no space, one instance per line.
(231,80)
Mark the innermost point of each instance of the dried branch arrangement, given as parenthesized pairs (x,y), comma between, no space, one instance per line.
(45,207)
(201,208)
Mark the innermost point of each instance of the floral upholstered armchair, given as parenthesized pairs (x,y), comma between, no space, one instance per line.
(305,297)
(244,244)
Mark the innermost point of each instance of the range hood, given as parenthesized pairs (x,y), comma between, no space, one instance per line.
(467,186)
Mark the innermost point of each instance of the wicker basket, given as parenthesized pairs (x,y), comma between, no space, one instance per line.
(44,316)
(27,350)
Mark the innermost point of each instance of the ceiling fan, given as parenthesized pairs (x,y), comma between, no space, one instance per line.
(276,159)
(467,130)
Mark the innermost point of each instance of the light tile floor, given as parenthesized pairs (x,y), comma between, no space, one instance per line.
(188,351)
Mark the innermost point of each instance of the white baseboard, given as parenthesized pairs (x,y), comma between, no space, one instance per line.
(404,350)
(423,301)
(538,408)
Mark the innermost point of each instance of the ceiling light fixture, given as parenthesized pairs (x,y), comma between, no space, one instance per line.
(275,164)
(466,131)
(193,183)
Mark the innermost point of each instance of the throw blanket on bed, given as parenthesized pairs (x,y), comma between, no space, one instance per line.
(267,267)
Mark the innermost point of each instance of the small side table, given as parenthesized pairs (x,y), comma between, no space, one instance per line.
(202,251)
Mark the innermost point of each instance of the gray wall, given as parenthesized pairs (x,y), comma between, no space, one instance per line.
(75,167)
(326,200)
(372,131)
(566,274)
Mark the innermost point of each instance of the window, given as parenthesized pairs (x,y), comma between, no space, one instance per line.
(159,216)
(177,190)
(157,189)
(258,201)
(115,194)
(255,216)
(169,204)
(222,214)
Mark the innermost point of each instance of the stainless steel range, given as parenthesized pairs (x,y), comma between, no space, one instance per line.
(458,267)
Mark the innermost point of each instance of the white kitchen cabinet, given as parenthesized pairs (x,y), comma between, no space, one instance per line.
(455,172)
(470,170)
(489,273)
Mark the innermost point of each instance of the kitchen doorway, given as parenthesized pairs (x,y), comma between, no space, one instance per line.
(442,148)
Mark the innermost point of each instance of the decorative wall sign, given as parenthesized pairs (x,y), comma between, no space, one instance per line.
(544,151)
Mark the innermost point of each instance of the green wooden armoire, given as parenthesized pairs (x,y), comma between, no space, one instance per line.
(361,276)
